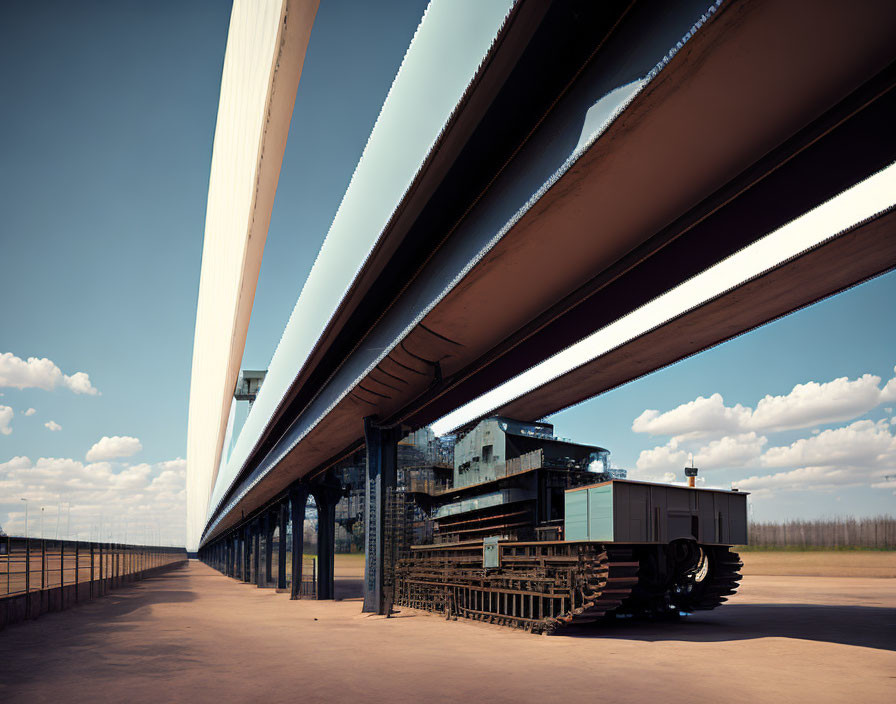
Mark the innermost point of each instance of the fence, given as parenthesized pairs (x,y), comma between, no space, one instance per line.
(48,575)
(874,533)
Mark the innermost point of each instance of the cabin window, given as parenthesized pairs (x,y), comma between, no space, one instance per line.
(487,453)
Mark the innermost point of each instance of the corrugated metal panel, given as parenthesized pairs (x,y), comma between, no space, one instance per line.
(600,513)
(575,526)
(635,512)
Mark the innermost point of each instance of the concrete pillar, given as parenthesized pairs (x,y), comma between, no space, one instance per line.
(382,462)
(298,497)
(326,496)
(281,545)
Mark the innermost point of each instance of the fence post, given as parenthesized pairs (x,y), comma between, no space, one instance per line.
(27,578)
(61,575)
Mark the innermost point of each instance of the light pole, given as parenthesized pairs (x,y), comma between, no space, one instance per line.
(26,517)
(41,522)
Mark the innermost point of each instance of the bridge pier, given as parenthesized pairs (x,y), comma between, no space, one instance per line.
(246,554)
(382,462)
(298,497)
(326,496)
(256,551)
(281,545)
(268,553)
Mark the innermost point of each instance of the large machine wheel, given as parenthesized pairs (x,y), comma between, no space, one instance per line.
(715,578)
(680,578)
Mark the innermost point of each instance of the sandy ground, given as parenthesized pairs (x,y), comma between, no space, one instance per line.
(194,635)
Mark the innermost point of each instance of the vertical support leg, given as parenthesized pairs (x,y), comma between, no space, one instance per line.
(246,554)
(382,459)
(268,552)
(256,552)
(298,497)
(326,496)
(281,546)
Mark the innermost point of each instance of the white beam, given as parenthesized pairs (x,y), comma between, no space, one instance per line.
(266,45)
(857,204)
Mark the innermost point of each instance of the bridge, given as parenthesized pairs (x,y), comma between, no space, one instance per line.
(611,187)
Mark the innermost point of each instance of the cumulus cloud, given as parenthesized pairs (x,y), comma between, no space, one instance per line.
(814,403)
(41,373)
(53,426)
(29,412)
(702,416)
(113,448)
(730,451)
(859,454)
(862,443)
(6,414)
(666,458)
(806,405)
(134,503)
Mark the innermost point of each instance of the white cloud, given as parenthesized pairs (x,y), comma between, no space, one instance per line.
(41,373)
(112,448)
(702,416)
(30,412)
(53,426)
(79,382)
(666,458)
(730,451)
(6,414)
(860,454)
(133,503)
(807,404)
(862,443)
(814,403)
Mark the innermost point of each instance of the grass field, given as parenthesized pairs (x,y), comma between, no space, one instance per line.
(820,563)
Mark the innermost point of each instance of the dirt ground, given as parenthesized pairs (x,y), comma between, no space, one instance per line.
(195,636)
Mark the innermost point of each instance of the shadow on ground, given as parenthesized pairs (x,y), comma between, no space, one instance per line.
(78,637)
(865,626)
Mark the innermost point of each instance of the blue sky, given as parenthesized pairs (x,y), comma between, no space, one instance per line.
(106,132)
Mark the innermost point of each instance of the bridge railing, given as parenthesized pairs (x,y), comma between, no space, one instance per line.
(31,565)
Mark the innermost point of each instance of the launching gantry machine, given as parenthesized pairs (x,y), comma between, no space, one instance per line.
(539,533)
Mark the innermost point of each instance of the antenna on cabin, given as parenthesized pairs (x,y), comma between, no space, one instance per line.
(691,473)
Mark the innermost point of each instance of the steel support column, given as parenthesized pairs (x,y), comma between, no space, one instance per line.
(281,546)
(326,496)
(256,549)
(268,553)
(298,497)
(246,554)
(382,461)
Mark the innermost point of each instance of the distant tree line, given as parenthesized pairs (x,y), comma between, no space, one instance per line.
(877,533)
